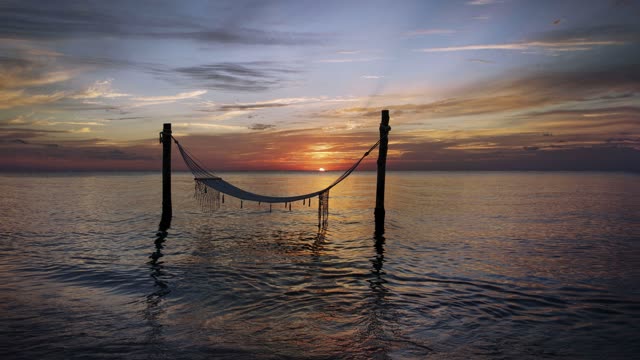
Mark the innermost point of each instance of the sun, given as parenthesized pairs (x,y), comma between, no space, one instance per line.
(321,170)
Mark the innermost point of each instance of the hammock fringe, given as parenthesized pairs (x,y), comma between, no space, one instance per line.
(323,210)
(208,198)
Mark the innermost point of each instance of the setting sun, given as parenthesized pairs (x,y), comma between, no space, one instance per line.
(321,170)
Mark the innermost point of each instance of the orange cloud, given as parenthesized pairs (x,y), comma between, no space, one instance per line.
(14,98)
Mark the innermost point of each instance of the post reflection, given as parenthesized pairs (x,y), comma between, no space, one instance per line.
(377,308)
(384,330)
(378,261)
(157,269)
(154,311)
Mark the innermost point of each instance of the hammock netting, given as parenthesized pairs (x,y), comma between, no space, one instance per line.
(211,189)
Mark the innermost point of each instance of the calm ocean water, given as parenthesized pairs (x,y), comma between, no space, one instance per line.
(473,265)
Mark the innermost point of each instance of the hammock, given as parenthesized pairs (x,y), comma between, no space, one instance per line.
(210,189)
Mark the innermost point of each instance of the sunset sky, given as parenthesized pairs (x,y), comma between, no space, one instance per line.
(298,85)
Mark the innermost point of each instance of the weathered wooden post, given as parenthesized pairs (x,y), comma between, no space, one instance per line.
(382,165)
(165,139)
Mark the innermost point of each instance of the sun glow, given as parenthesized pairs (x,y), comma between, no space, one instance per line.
(321,170)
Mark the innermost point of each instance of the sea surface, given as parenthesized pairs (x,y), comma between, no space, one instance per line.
(473,265)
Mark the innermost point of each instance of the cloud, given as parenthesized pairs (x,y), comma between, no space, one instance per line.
(99,89)
(241,36)
(241,76)
(86,105)
(482,2)
(227,128)
(606,121)
(84,130)
(154,100)
(444,150)
(496,155)
(17,120)
(594,100)
(55,123)
(251,106)
(11,134)
(277,103)
(69,20)
(309,149)
(373,77)
(85,154)
(632,111)
(15,81)
(21,72)
(124,118)
(566,45)
(26,79)
(230,114)
(617,33)
(261,126)
(482,61)
(346,60)
(16,98)
(424,32)
(579,39)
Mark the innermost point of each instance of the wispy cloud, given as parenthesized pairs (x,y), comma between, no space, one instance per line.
(99,20)
(277,103)
(482,61)
(606,121)
(8,80)
(99,89)
(230,114)
(240,36)
(483,2)
(241,76)
(154,100)
(215,126)
(567,45)
(260,127)
(479,150)
(25,71)
(15,98)
(372,77)
(85,154)
(512,101)
(27,79)
(577,39)
(19,120)
(346,60)
(84,130)
(425,32)
(55,123)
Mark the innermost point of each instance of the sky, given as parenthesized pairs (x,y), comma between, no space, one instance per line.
(299,85)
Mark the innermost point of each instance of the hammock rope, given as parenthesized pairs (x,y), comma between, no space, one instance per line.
(210,189)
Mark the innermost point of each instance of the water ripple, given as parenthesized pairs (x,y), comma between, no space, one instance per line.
(467,269)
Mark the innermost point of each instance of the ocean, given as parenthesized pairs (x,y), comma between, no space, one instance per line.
(480,265)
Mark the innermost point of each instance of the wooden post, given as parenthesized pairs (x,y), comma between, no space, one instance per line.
(165,139)
(382,165)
